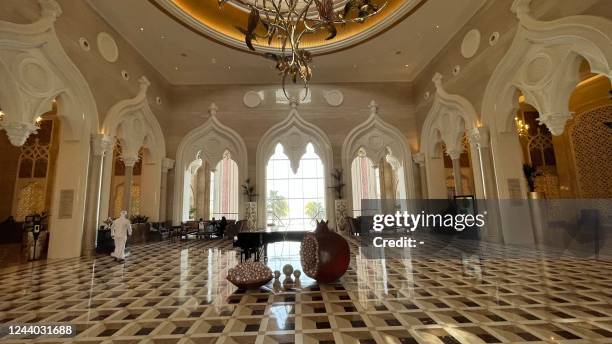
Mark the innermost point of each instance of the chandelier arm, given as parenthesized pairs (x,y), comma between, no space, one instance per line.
(258,8)
(290,24)
(360,19)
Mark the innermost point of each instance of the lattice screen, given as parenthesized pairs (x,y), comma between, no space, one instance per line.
(118,200)
(31,184)
(31,199)
(591,142)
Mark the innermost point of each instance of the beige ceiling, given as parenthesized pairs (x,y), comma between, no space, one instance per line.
(396,55)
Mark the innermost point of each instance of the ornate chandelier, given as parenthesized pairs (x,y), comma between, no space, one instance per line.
(522,128)
(289,20)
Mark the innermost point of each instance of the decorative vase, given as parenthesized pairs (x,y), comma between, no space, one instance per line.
(340,211)
(251,215)
(325,255)
(249,275)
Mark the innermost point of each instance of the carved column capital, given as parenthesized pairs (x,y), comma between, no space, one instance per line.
(454,154)
(101,144)
(167,164)
(555,122)
(129,161)
(419,159)
(479,137)
(18,132)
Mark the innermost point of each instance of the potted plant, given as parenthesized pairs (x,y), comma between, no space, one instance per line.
(251,205)
(340,204)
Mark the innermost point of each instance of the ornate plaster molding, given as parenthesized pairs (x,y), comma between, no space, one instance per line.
(207,142)
(18,132)
(102,144)
(129,161)
(455,153)
(167,164)
(448,119)
(35,70)
(378,138)
(543,63)
(419,159)
(479,137)
(132,122)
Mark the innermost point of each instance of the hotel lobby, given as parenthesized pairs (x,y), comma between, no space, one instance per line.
(312,171)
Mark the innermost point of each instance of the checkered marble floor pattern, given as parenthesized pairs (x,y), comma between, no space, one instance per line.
(177,293)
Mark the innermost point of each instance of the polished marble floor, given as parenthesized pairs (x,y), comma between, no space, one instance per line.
(177,293)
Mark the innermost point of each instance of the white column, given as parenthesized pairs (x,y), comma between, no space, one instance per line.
(100,146)
(455,156)
(167,164)
(419,159)
(201,188)
(129,162)
(485,180)
(150,188)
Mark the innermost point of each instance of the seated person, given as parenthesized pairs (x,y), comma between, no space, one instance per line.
(221,227)
(212,226)
(201,227)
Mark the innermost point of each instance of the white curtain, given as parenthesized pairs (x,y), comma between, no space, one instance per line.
(364,179)
(224,189)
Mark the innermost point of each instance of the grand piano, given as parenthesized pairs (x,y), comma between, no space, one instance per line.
(255,243)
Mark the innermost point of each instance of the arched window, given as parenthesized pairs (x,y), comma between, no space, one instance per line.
(295,200)
(224,193)
(366,182)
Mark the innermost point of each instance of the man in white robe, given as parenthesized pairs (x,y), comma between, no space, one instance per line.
(120,230)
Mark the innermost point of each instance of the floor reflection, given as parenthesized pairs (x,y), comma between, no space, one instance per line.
(464,293)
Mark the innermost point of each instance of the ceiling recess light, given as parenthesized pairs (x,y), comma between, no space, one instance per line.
(141,29)
(284,21)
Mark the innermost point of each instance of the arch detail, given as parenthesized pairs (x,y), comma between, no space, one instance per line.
(378,139)
(208,142)
(294,133)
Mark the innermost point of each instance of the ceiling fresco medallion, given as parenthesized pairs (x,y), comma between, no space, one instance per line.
(222,24)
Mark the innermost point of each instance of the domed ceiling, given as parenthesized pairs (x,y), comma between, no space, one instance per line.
(222,23)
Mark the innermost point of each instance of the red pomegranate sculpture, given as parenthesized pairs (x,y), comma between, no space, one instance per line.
(325,255)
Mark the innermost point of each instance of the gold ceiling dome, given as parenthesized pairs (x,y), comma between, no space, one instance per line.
(222,24)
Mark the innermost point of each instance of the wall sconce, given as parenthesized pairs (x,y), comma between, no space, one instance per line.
(38,121)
